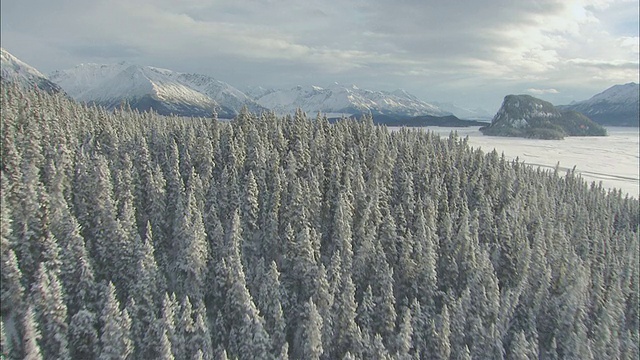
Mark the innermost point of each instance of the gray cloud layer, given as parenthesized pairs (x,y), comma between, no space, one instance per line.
(467,52)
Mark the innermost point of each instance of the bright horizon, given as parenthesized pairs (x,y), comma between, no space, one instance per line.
(467,53)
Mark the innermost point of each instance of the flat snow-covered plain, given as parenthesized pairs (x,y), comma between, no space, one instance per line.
(612,160)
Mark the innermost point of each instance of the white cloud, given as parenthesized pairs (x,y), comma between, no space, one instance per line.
(632,43)
(605,64)
(542,91)
(439,50)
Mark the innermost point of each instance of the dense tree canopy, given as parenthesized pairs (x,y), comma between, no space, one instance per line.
(129,235)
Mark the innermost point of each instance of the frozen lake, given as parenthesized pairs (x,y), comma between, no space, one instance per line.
(613,159)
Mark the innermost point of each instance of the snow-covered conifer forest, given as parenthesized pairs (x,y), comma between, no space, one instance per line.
(136,236)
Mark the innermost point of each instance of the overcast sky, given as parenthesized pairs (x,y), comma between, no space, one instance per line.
(468,52)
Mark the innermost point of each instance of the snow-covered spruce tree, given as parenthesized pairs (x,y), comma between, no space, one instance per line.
(268,300)
(308,343)
(27,220)
(185,329)
(30,337)
(115,335)
(166,326)
(5,347)
(147,297)
(247,337)
(11,287)
(189,237)
(83,335)
(76,269)
(106,239)
(200,341)
(51,313)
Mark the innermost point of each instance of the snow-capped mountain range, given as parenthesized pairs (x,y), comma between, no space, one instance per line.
(170,92)
(618,105)
(146,87)
(14,70)
(173,93)
(343,99)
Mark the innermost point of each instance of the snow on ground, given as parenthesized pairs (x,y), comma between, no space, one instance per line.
(614,160)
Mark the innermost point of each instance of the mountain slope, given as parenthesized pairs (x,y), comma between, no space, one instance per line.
(464,113)
(618,105)
(146,87)
(229,98)
(13,70)
(345,99)
(526,116)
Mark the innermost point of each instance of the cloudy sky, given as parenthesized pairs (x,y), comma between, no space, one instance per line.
(468,52)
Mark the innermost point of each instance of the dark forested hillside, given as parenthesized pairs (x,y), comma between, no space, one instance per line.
(136,236)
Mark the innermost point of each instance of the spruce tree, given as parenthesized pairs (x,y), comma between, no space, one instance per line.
(76,269)
(51,312)
(269,303)
(190,244)
(167,327)
(115,337)
(200,342)
(404,342)
(12,290)
(83,336)
(165,352)
(30,336)
(248,336)
(11,286)
(146,296)
(309,342)
(5,346)
(347,336)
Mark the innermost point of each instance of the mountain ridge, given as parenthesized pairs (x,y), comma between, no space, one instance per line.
(618,105)
(14,70)
(147,87)
(346,99)
(189,94)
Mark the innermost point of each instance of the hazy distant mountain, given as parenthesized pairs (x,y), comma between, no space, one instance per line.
(464,113)
(256,92)
(526,116)
(146,87)
(345,100)
(619,105)
(414,121)
(13,70)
